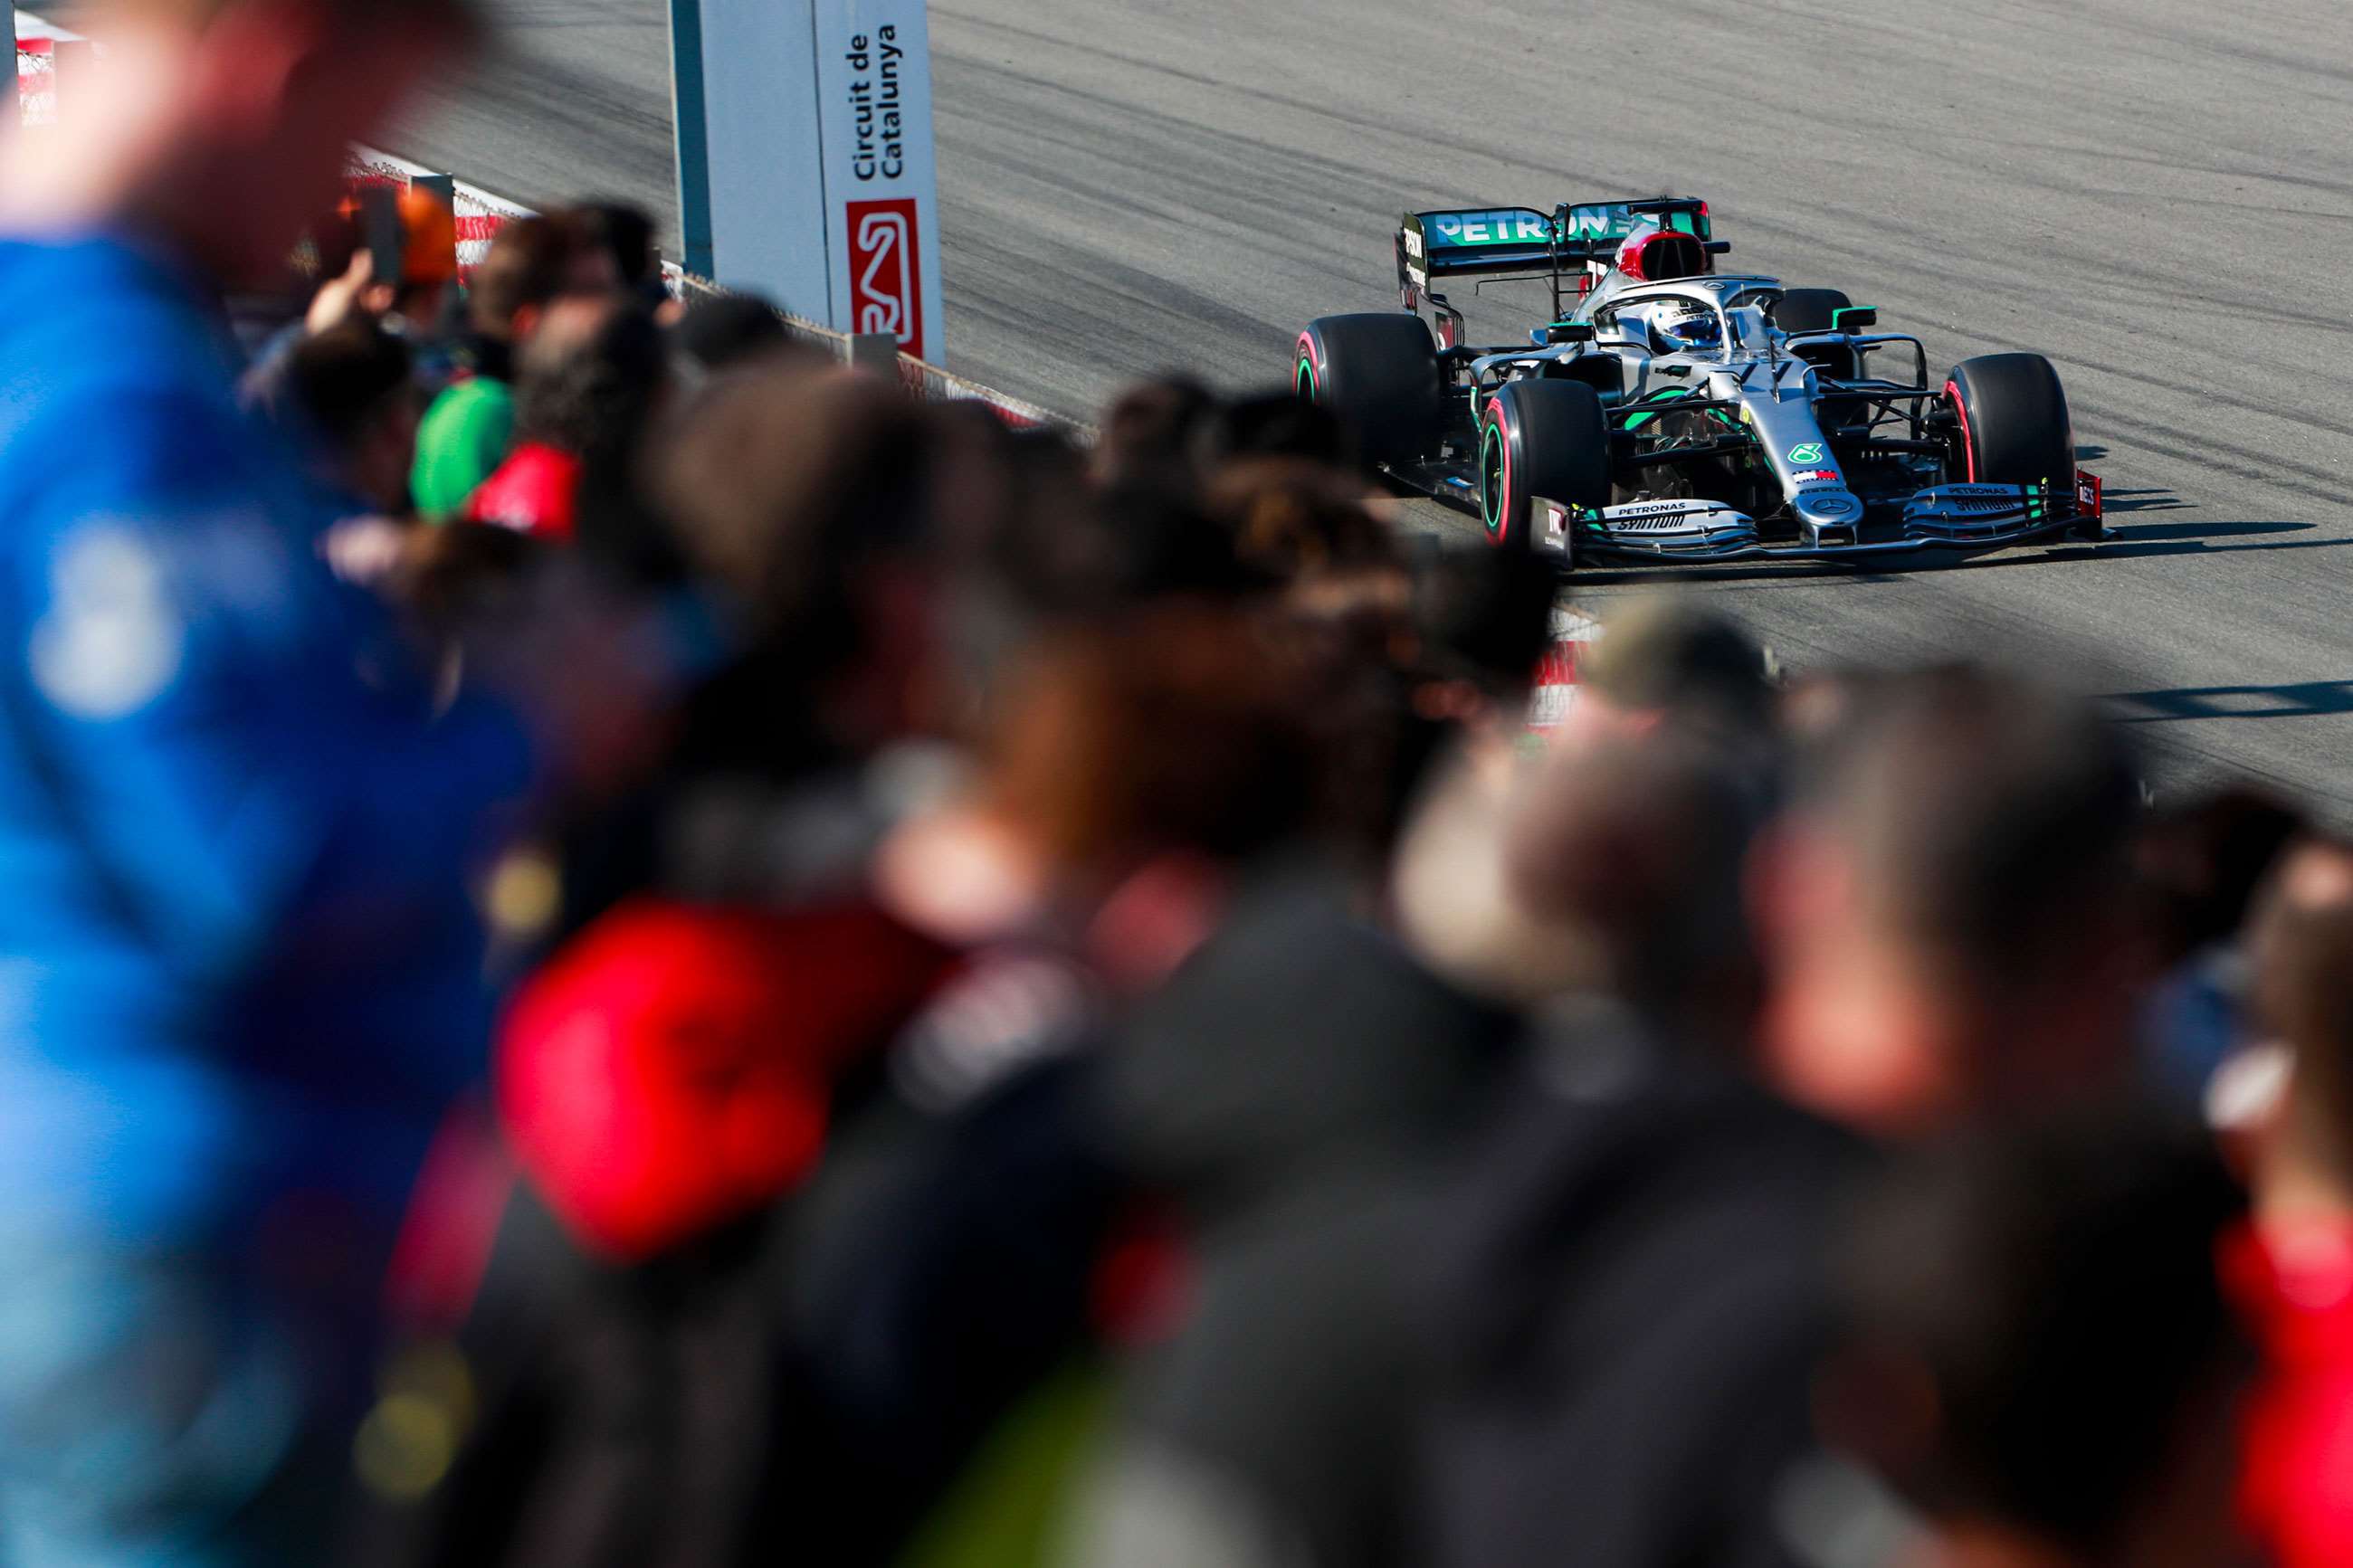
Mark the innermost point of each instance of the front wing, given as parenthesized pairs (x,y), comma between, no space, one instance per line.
(1964,517)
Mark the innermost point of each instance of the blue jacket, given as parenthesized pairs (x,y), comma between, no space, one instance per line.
(240,974)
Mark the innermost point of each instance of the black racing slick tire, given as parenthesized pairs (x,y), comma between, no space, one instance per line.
(2012,425)
(1809,309)
(1377,373)
(1540,438)
(1816,310)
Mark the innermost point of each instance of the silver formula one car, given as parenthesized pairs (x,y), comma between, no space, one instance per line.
(1670,410)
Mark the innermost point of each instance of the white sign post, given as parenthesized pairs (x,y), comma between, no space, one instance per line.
(804,165)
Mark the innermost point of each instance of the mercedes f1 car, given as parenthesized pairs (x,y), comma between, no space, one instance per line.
(1671,410)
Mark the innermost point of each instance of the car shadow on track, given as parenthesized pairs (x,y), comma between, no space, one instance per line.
(1643,573)
(2135,542)
(2123,500)
(2297,700)
(2126,542)
(2116,501)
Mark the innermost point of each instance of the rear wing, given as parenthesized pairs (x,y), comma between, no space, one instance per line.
(1496,242)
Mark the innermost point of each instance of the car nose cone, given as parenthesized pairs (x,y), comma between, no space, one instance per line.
(1836,506)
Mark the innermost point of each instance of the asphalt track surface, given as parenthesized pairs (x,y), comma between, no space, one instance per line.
(2158,194)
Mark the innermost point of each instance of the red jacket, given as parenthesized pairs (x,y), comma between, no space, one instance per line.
(669,1069)
(2294,1286)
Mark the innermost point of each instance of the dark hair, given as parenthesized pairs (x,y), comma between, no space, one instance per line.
(1161,544)
(2029,1315)
(794,492)
(2201,863)
(1481,616)
(787,482)
(1179,726)
(1290,517)
(1042,544)
(527,263)
(1158,432)
(340,377)
(1674,655)
(583,391)
(625,232)
(1639,844)
(1279,425)
(726,330)
(1032,546)
(591,381)
(1987,819)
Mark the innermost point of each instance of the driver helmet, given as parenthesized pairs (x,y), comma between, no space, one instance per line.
(1689,325)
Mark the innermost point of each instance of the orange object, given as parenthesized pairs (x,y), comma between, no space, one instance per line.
(430,254)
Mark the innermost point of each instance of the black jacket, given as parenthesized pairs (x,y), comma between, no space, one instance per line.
(1291,1092)
(1628,1312)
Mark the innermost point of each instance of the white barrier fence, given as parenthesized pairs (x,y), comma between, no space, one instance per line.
(40,48)
(1554,688)
(479,212)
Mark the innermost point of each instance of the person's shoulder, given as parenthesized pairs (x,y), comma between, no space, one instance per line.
(101,305)
(71,269)
(103,350)
(470,398)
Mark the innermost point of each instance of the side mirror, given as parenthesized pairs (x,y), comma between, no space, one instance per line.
(1569,332)
(1847,318)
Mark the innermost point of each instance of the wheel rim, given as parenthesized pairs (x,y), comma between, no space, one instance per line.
(1304,381)
(1491,477)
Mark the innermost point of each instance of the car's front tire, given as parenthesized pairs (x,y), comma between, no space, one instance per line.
(1540,438)
(1377,373)
(2012,426)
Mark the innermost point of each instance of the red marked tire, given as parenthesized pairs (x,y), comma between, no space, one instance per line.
(2015,428)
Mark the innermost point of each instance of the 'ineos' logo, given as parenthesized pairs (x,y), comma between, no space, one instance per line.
(885,271)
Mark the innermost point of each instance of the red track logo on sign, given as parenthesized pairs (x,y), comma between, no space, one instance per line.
(886,287)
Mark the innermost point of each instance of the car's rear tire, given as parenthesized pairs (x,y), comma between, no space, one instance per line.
(1377,373)
(1540,438)
(1809,309)
(2014,427)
